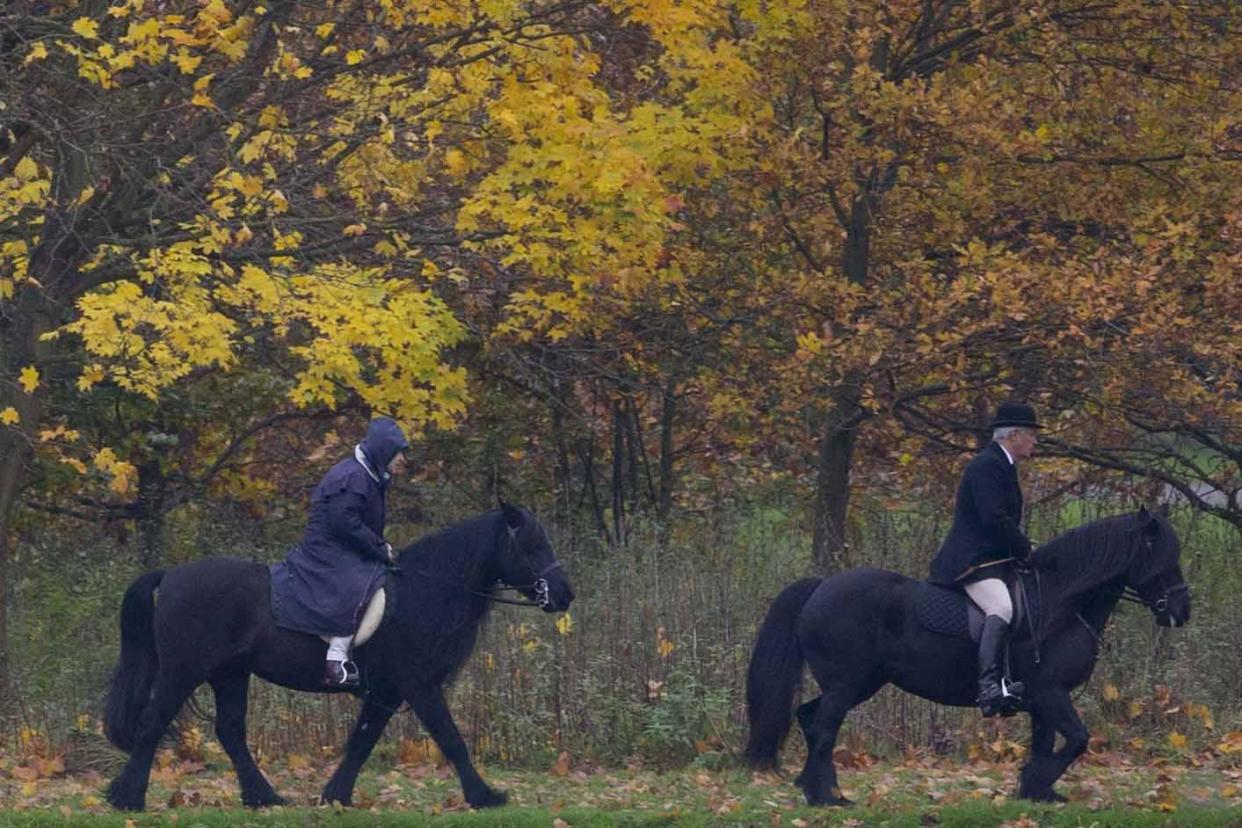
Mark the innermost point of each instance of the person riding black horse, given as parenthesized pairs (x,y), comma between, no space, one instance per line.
(325,583)
(986,535)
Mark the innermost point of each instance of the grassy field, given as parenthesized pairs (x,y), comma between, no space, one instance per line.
(1107,791)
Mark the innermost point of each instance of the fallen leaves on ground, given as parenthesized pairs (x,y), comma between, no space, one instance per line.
(916,781)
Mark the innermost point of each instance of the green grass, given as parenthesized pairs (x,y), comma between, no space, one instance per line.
(916,793)
(1012,815)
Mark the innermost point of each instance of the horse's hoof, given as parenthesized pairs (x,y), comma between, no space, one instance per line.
(1046,795)
(269,800)
(124,800)
(488,798)
(829,801)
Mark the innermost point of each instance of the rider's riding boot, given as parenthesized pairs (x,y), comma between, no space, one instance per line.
(996,696)
(340,674)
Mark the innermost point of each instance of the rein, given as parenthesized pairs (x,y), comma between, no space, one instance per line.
(539,584)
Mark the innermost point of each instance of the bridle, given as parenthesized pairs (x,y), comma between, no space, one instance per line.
(539,585)
(1158,605)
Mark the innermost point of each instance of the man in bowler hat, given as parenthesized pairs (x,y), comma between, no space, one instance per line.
(985,536)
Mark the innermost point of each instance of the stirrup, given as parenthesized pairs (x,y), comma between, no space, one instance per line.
(340,673)
(1012,690)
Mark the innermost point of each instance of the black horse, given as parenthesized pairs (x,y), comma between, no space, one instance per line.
(212,623)
(858,631)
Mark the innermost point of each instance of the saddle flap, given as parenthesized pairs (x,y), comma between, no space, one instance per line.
(370,619)
(949,611)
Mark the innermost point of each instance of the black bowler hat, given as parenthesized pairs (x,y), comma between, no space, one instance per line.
(1014,414)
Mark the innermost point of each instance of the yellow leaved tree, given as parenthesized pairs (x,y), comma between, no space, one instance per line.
(196,189)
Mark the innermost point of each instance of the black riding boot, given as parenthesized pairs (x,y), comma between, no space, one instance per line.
(996,696)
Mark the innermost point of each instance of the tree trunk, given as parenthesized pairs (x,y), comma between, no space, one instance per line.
(152,497)
(830,546)
(25,321)
(587,453)
(618,473)
(668,412)
(559,402)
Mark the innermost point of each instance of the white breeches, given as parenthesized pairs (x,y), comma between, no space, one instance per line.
(992,596)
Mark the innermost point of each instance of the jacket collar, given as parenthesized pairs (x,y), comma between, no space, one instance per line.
(361,457)
(1000,452)
(1008,456)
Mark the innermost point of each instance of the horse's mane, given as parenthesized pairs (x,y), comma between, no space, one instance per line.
(457,550)
(1104,548)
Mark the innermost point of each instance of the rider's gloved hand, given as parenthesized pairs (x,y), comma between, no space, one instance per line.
(390,557)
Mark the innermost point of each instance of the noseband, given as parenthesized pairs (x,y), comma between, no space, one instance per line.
(539,584)
(1156,605)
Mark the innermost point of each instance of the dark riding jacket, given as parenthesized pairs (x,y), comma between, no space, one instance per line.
(986,519)
(324,584)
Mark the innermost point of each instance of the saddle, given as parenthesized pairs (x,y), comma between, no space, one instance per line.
(379,609)
(950,611)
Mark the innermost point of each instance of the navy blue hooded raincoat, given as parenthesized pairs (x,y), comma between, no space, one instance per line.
(324,584)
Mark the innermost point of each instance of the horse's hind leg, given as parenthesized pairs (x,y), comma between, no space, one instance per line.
(806,716)
(819,776)
(369,727)
(256,791)
(431,709)
(821,719)
(128,791)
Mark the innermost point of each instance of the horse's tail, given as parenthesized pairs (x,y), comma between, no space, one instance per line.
(774,675)
(130,688)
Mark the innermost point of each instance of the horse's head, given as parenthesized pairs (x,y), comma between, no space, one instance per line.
(1156,574)
(527,564)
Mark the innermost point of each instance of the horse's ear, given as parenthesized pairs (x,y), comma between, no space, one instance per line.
(1148,524)
(513,515)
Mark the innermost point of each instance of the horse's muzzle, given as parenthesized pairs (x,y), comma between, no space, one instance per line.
(559,596)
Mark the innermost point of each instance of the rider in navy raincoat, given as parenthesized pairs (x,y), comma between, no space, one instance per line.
(325,583)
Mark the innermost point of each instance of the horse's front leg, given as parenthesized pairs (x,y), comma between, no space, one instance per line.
(429,705)
(1051,713)
(376,711)
(1043,740)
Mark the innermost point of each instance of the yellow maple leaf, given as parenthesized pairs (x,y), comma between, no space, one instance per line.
(29,379)
(9,416)
(565,624)
(187,62)
(75,463)
(355,56)
(355,230)
(37,52)
(85,27)
(1177,741)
